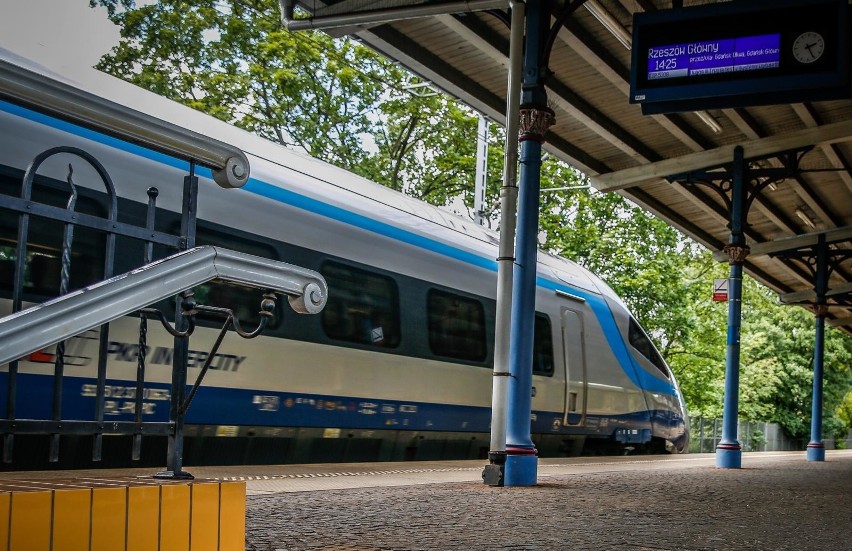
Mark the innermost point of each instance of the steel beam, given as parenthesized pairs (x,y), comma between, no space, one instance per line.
(494,473)
(835,235)
(816,448)
(384,15)
(636,176)
(810,296)
(840,322)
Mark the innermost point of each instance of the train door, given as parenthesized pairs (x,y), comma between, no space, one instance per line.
(576,382)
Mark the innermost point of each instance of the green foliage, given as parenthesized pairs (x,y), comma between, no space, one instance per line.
(112,5)
(844,410)
(333,98)
(234,60)
(599,232)
(758,440)
(777,365)
(426,146)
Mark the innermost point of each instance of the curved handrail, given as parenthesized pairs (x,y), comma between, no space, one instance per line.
(31,85)
(54,321)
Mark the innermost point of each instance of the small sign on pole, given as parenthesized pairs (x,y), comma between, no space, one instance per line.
(720,290)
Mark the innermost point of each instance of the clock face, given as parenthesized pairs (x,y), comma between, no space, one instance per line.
(808,47)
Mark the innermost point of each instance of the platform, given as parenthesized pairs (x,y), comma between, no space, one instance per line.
(778,500)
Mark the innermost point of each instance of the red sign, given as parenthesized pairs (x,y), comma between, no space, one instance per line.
(720,290)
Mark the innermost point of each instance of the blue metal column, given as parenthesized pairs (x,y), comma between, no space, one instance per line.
(816,449)
(535,118)
(729,451)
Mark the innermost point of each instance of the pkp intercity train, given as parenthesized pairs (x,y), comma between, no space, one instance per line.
(397,365)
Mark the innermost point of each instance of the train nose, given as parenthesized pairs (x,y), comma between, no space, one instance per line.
(682,443)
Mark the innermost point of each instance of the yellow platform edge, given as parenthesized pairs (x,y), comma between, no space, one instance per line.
(122,513)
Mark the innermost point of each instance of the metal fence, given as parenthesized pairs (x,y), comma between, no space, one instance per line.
(21,263)
(752,435)
(92,307)
(56,237)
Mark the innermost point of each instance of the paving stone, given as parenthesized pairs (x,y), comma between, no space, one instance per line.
(781,503)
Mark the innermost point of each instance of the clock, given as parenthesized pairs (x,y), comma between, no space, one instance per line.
(808,47)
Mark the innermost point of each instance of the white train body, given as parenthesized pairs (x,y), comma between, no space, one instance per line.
(308,387)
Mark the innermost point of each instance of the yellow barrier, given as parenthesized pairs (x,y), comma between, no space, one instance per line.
(125,513)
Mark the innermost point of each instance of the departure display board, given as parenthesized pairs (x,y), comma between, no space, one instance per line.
(711,57)
(735,54)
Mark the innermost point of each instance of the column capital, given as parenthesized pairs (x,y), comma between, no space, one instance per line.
(736,253)
(534,122)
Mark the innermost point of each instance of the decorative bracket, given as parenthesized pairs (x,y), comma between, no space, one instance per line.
(756,178)
(821,260)
(534,122)
(736,253)
(189,309)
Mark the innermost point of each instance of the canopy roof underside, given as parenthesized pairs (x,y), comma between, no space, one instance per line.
(599,132)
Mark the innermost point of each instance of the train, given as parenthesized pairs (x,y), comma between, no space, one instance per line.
(397,366)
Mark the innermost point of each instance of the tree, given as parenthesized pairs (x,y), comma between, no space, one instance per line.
(234,60)
(777,365)
(844,413)
(333,98)
(426,146)
(112,5)
(599,231)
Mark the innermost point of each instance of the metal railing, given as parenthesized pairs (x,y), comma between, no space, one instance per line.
(60,311)
(705,434)
(73,312)
(26,83)
(26,267)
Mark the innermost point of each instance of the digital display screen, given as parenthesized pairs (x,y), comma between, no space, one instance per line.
(709,57)
(743,53)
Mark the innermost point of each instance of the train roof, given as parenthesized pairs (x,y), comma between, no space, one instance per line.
(261,150)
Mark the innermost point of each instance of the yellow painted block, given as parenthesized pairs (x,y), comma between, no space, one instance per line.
(71,519)
(30,522)
(174,517)
(204,524)
(143,518)
(109,518)
(232,516)
(5,505)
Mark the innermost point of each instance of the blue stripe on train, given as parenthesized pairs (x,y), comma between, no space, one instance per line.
(226,406)
(637,375)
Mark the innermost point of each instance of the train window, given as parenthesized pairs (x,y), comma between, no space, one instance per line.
(456,326)
(244,302)
(542,346)
(43,270)
(362,307)
(642,344)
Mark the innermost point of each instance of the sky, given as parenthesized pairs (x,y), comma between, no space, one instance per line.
(58,33)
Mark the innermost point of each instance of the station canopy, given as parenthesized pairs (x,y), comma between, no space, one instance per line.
(608,138)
